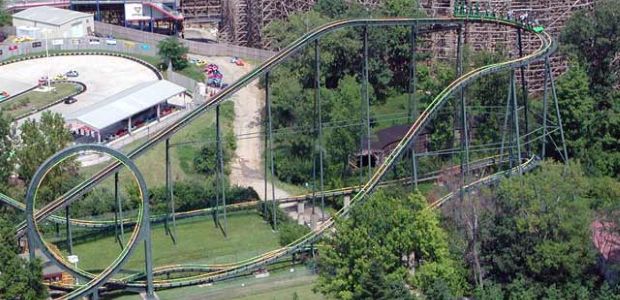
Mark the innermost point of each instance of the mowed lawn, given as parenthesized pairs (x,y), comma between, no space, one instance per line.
(185,146)
(198,241)
(281,284)
(35,99)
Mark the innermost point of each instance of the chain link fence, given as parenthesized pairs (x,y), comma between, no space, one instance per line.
(206,49)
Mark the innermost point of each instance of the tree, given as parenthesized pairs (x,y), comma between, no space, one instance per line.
(576,109)
(593,37)
(387,240)
(6,150)
(537,240)
(5,17)
(38,141)
(172,51)
(19,279)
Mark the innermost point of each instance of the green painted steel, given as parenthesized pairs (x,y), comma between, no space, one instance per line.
(229,270)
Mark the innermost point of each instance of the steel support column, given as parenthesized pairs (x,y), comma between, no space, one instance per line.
(557,112)
(524,94)
(366,98)
(220,167)
(98,16)
(270,140)
(68,228)
(148,257)
(119,211)
(413,104)
(515,116)
(170,196)
(317,95)
(544,122)
(464,137)
(505,127)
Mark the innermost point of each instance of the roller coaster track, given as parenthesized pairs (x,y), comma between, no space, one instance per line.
(108,224)
(547,46)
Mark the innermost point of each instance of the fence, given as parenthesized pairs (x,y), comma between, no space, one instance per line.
(8,52)
(207,49)
(75,44)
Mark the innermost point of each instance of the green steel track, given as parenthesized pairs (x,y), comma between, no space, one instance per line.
(220,272)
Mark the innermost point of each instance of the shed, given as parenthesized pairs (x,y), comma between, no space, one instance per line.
(53,22)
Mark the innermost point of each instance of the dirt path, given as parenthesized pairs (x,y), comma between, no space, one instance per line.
(247,165)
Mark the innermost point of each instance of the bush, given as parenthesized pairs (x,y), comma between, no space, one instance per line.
(290,232)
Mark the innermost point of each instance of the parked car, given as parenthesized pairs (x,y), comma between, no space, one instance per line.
(70,100)
(111,42)
(94,41)
(22,39)
(72,73)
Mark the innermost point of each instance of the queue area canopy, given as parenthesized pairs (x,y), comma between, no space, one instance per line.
(124,105)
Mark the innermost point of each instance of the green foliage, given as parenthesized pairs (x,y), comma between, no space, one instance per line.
(5,17)
(6,150)
(19,278)
(576,108)
(291,231)
(190,195)
(593,37)
(38,141)
(172,51)
(536,242)
(388,235)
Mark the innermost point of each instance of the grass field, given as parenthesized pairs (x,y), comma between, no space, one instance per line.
(281,284)
(198,241)
(185,146)
(34,100)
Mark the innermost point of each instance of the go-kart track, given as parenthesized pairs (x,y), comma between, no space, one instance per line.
(211,273)
(103,76)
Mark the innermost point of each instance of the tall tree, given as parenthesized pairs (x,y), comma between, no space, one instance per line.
(38,141)
(594,37)
(576,108)
(538,238)
(19,279)
(172,51)
(396,238)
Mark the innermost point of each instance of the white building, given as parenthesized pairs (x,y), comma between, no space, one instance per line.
(42,21)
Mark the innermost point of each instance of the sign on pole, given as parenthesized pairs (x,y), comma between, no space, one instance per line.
(135,12)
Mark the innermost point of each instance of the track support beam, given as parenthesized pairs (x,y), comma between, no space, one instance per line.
(270,142)
(557,112)
(220,170)
(366,100)
(413,102)
(524,94)
(170,196)
(118,214)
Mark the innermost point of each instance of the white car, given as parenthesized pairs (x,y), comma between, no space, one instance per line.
(110,42)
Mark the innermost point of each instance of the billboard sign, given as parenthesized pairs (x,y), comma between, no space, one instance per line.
(135,12)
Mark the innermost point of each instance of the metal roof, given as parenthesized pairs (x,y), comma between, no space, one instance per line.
(127,103)
(50,15)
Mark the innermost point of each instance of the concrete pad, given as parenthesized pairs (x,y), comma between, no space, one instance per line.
(103,76)
(12,86)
